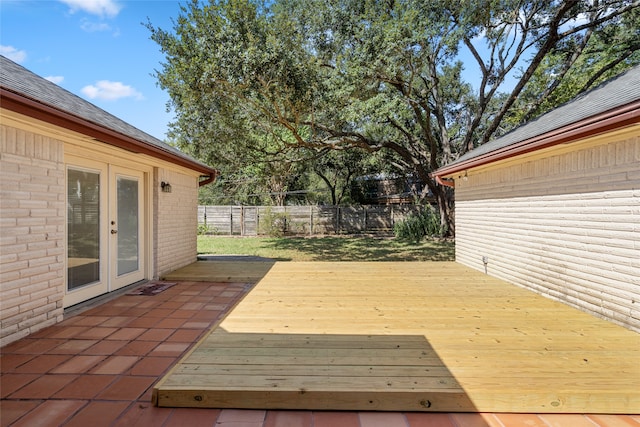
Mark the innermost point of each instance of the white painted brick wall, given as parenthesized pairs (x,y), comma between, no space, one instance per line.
(31,232)
(566,226)
(176,221)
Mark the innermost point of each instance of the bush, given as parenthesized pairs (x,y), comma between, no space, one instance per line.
(417,226)
(274,224)
(203,229)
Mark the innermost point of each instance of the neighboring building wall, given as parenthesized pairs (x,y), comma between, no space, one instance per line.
(176,221)
(31,232)
(566,225)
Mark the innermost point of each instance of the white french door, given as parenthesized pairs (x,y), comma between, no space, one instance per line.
(126,226)
(86,250)
(105,229)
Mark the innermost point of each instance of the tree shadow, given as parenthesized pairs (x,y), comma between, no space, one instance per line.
(313,372)
(365,249)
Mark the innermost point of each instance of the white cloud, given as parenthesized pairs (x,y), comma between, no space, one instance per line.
(55,79)
(110,91)
(92,27)
(13,54)
(108,8)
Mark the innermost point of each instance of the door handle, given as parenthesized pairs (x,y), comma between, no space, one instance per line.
(114,231)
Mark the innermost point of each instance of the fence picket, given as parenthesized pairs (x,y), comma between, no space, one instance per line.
(301,220)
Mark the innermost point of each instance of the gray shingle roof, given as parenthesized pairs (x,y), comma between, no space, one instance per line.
(19,80)
(611,94)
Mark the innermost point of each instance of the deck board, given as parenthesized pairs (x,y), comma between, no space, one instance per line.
(406,337)
(223,269)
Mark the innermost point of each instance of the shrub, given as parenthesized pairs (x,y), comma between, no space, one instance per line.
(203,229)
(274,224)
(417,226)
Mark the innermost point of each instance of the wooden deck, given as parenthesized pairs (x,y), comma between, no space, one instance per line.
(224,269)
(406,337)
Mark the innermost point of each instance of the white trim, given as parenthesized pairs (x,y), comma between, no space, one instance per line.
(102,286)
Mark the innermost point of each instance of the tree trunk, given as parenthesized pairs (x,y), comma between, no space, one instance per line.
(444,199)
(332,188)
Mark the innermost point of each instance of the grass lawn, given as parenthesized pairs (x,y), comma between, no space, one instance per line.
(330,248)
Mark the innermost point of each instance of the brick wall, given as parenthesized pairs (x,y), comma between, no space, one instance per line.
(31,232)
(176,221)
(565,225)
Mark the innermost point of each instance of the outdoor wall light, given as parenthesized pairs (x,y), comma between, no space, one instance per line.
(166,187)
(465,177)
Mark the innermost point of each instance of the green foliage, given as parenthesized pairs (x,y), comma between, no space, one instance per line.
(259,183)
(575,66)
(337,171)
(257,86)
(204,229)
(416,227)
(274,224)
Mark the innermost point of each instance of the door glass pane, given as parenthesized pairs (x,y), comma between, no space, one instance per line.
(127,222)
(83,228)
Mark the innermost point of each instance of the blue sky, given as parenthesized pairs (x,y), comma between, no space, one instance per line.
(97,49)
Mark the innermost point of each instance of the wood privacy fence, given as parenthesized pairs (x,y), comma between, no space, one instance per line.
(302,220)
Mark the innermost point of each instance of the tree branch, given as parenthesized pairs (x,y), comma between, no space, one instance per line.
(566,66)
(633,48)
(600,20)
(545,48)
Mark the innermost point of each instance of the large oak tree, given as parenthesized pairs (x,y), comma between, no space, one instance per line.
(425,81)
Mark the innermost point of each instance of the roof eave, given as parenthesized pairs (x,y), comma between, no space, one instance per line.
(23,105)
(613,119)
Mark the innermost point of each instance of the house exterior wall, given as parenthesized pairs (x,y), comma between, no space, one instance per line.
(564,223)
(33,161)
(176,220)
(32,230)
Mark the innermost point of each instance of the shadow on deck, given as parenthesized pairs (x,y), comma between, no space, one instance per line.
(402,336)
(314,372)
(224,269)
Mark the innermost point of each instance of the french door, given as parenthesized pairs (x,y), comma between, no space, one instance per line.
(105,229)
(126,227)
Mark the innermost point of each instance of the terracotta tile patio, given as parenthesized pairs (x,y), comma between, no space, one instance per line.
(98,367)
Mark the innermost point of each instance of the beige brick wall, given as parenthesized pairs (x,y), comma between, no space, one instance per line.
(175,221)
(565,225)
(31,232)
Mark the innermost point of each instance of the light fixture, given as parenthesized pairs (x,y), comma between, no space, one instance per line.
(166,187)
(465,177)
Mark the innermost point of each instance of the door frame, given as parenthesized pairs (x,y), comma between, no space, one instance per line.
(86,160)
(118,281)
(100,287)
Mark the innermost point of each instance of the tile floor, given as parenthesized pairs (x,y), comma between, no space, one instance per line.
(98,366)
